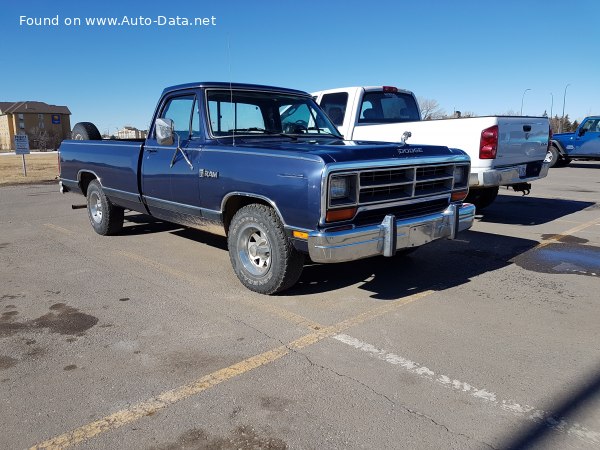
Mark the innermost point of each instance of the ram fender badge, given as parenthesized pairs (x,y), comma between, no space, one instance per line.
(203,173)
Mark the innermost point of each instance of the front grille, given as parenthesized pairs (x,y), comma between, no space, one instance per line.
(401,211)
(403,183)
(404,191)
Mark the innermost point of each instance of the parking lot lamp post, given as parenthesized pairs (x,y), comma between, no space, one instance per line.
(562,118)
(522,99)
(551,105)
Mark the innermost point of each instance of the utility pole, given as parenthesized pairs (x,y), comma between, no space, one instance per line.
(562,119)
(522,99)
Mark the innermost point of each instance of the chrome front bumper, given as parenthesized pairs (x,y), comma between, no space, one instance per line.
(504,177)
(389,236)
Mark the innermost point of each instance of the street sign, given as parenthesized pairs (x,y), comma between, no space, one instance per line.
(22,148)
(21,144)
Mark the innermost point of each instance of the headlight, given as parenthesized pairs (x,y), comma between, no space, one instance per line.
(338,188)
(461,174)
(342,189)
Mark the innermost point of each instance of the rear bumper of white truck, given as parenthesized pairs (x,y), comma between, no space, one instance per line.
(389,236)
(507,176)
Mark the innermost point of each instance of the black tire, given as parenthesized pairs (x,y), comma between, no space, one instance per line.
(563,162)
(482,197)
(85,131)
(262,256)
(552,156)
(106,218)
(405,252)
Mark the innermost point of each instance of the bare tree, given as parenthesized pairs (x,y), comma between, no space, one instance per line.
(430,109)
(40,138)
(510,112)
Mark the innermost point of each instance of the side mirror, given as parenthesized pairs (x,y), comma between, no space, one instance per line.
(581,131)
(164,131)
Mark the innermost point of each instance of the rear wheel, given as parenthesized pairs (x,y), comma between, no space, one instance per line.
(85,131)
(262,256)
(106,218)
(482,197)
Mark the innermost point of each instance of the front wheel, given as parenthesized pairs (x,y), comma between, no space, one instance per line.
(106,218)
(552,156)
(262,256)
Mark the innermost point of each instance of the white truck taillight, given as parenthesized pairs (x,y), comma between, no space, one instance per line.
(488,144)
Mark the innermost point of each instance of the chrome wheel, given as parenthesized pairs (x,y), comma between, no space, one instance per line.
(95,207)
(254,249)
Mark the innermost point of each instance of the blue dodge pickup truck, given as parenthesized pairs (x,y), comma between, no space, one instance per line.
(269,168)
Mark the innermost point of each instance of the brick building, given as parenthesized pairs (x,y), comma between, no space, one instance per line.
(46,125)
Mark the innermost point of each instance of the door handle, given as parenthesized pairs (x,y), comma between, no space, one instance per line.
(151,150)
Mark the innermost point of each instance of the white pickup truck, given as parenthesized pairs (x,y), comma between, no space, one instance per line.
(504,151)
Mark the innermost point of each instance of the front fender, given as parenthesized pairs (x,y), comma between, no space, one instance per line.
(559,146)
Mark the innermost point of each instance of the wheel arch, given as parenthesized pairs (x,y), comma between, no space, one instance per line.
(234,201)
(84,178)
(559,147)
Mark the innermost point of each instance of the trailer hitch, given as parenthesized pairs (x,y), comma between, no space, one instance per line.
(525,188)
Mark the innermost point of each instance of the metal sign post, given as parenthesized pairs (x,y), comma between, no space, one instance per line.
(22,148)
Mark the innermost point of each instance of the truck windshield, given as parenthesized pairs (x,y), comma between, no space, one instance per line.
(388,107)
(251,113)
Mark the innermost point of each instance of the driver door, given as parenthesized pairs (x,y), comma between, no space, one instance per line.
(169,182)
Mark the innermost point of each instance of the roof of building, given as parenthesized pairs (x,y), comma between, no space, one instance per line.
(32,108)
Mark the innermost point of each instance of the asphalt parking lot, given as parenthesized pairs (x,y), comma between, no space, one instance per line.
(147,339)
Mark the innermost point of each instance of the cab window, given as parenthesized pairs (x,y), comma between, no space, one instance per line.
(179,110)
(335,106)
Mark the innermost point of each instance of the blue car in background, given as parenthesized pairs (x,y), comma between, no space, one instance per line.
(583,144)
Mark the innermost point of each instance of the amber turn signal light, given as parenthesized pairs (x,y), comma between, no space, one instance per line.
(458,196)
(300,234)
(335,215)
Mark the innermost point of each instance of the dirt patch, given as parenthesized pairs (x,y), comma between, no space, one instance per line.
(65,320)
(564,238)
(274,404)
(243,437)
(61,319)
(6,362)
(40,168)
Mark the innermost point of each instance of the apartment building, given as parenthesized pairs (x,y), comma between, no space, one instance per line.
(46,125)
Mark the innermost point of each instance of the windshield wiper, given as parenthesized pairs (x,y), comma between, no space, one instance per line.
(262,130)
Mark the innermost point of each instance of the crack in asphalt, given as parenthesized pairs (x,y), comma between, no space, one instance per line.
(393,403)
(366,386)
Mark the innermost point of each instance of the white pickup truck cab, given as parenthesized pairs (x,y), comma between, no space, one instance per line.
(504,151)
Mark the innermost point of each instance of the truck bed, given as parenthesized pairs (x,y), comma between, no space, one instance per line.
(114,162)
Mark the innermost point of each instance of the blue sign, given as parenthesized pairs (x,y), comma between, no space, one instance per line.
(55,118)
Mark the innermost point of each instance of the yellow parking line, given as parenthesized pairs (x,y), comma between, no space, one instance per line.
(271,309)
(59,228)
(558,237)
(161,401)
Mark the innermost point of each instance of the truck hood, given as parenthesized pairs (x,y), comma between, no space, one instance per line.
(563,135)
(349,151)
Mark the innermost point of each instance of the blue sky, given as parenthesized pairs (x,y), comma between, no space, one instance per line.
(468,55)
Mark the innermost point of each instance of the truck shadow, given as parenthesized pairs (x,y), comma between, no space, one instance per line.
(437,266)
(527,210)
(580,394)
(579,165)
(137,223)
